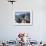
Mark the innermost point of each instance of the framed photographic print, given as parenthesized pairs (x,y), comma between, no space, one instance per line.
(23,17)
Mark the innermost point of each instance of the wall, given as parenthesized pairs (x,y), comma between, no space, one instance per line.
(9,31)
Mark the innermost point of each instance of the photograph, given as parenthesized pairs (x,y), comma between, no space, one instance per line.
(23,17)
